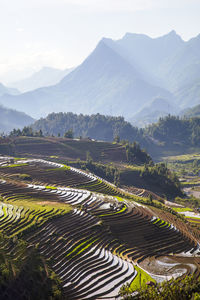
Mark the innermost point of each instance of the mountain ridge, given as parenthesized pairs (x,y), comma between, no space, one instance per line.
(46,76)
(105,81)
(10,119)
(120,77)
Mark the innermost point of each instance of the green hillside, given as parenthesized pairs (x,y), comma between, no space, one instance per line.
(67,234)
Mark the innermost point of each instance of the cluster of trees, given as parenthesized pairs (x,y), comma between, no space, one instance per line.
(179,289)
(96,126)
(24,272)
(135,154)
(160,175)
(169,129)
(26,131)
(172,129)
(108,172)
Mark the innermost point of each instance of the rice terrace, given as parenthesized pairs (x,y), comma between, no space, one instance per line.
(77,236)
(100,150)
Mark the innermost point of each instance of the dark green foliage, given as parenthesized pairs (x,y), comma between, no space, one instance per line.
(155,178)
(174,130)
(97,126)
(26,131)
(161,176)
(107,172)
(176,289)
(24,274)
(135,154)
(68,134)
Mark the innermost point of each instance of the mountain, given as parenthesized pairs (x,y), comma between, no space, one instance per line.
(96,126)
(175,131)
(45,77)
(191,112)
(5,90)
(105,82)
(159,107)
(166,61)
(121,78)
(10,119)
(171,135)
(150,53)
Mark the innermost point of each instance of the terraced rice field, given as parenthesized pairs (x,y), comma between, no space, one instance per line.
(94,242)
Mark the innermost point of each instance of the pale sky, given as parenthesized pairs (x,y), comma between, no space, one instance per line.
(62,33)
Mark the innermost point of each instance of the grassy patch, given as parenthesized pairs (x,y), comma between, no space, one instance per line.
(141,279)
(187,217)
(190,183)
(50,187)
(182,209)
(33,205)
(64,168)
(119,198)
(14,165)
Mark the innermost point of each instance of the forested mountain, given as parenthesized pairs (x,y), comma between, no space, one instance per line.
(45,77)
(174,130)
(97,126)
(170,129)
(10,119)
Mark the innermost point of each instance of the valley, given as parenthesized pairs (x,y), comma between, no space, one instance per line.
(93,235)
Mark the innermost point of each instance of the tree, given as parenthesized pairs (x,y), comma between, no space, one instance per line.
(40,133)
(150,198)
(69,134)
(89,159)
(117,139)
(178,289)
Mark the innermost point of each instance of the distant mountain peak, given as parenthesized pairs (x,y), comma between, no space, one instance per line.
(46,76)
(172,32)
(172,35)
(130,35)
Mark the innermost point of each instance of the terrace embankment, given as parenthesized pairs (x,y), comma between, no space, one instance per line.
(91,240)
(67,149)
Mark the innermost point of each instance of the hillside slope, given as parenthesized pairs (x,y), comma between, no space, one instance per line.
(98,127)
(45,77)
(67,149)
(121,77)
(5,90)
(159,107)
(10,119)
(105,82)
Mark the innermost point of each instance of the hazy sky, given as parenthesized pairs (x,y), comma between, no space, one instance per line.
(61,33)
